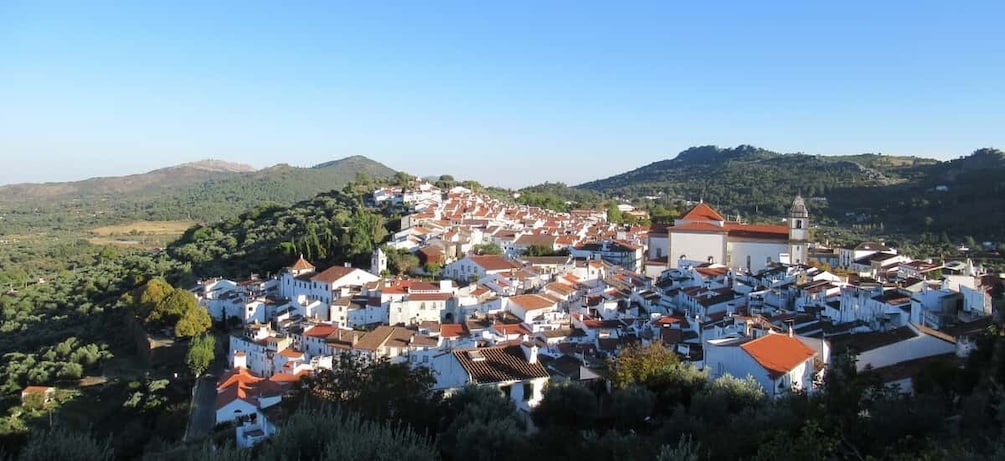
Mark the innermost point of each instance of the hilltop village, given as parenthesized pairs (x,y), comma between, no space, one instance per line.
(758,300)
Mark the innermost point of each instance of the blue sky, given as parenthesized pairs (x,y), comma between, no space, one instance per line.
(508,93)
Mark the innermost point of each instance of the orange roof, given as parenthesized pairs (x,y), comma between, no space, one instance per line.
(532,302)
(697,227)
(286,378)
(778,353)
(560,288)
(332,274)
(453,330)
(291,352)
(302,265)
(757,230)
(493,262)
(36,390)
(511,329)
(702,212)
(320,331)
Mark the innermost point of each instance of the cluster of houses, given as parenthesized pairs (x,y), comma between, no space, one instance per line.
(730,297)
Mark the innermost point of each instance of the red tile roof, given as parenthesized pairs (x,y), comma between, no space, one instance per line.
(499,364)
(697,227)
(291,352)
(532,302)
(453,330)
(702,212)
(762,231)
(332,274)
(778,353)
(320,331)
(493,262)
(302,265)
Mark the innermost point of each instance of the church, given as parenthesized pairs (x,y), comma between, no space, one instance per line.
(702,235)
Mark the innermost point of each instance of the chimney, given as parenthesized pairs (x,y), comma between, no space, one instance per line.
(240,360)
(529,349)
(791,332)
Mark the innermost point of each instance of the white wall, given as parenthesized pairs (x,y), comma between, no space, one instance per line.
(759,253)
(659,247)
(697,246)
(920,346)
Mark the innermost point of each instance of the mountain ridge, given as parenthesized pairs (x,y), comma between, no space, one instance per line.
(203,191)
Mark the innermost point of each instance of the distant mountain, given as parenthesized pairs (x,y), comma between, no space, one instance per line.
(207,190)
(965,196)
(169,178)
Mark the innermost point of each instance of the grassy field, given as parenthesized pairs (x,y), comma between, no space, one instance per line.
(139,233)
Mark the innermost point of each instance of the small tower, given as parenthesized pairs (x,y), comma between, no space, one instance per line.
(378,262)
(799,231)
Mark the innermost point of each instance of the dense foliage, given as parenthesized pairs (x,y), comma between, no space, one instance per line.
(171,194)
(896,194)
(329,229)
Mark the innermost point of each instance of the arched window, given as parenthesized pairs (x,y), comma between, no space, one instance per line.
(799,224)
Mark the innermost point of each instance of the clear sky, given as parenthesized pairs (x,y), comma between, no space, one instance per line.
(508,93)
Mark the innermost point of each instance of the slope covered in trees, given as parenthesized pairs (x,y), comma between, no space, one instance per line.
(183,192)
(899,194)
(332,228)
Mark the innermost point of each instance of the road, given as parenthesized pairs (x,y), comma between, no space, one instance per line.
(202,417)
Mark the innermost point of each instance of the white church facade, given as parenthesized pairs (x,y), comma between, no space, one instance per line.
(702,235)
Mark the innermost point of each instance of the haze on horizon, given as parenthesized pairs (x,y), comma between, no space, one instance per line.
(509,94)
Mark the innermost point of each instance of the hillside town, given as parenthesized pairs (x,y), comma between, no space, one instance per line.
(729,297)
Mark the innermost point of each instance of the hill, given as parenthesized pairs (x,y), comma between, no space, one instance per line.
(899,193)
(202,191)
(332,228)
(956,198)
(169,178)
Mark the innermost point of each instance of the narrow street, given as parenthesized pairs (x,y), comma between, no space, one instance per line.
(202,417)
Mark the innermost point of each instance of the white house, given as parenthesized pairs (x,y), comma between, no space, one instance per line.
(530,307)
(515,370)
(477,267)
(779,362)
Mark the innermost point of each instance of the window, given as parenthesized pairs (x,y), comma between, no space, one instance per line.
(506,390)
(528,391)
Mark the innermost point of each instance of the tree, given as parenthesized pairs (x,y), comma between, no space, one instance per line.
(379,390)
(489,248)
(64,445)
(614,213)
(201,351)
(481,423)
(640,364)
(539,250)
(686,450)
(194,322)
(567,405)
(177,304)
(145,298)
(632,406)
(659,370)
(328,433)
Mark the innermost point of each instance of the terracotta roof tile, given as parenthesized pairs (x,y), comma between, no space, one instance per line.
(702,212)
(778,353)
(532,302)
(499,364)
(302,265)
(332,274)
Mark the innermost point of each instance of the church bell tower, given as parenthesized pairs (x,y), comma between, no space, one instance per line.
(799,231)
